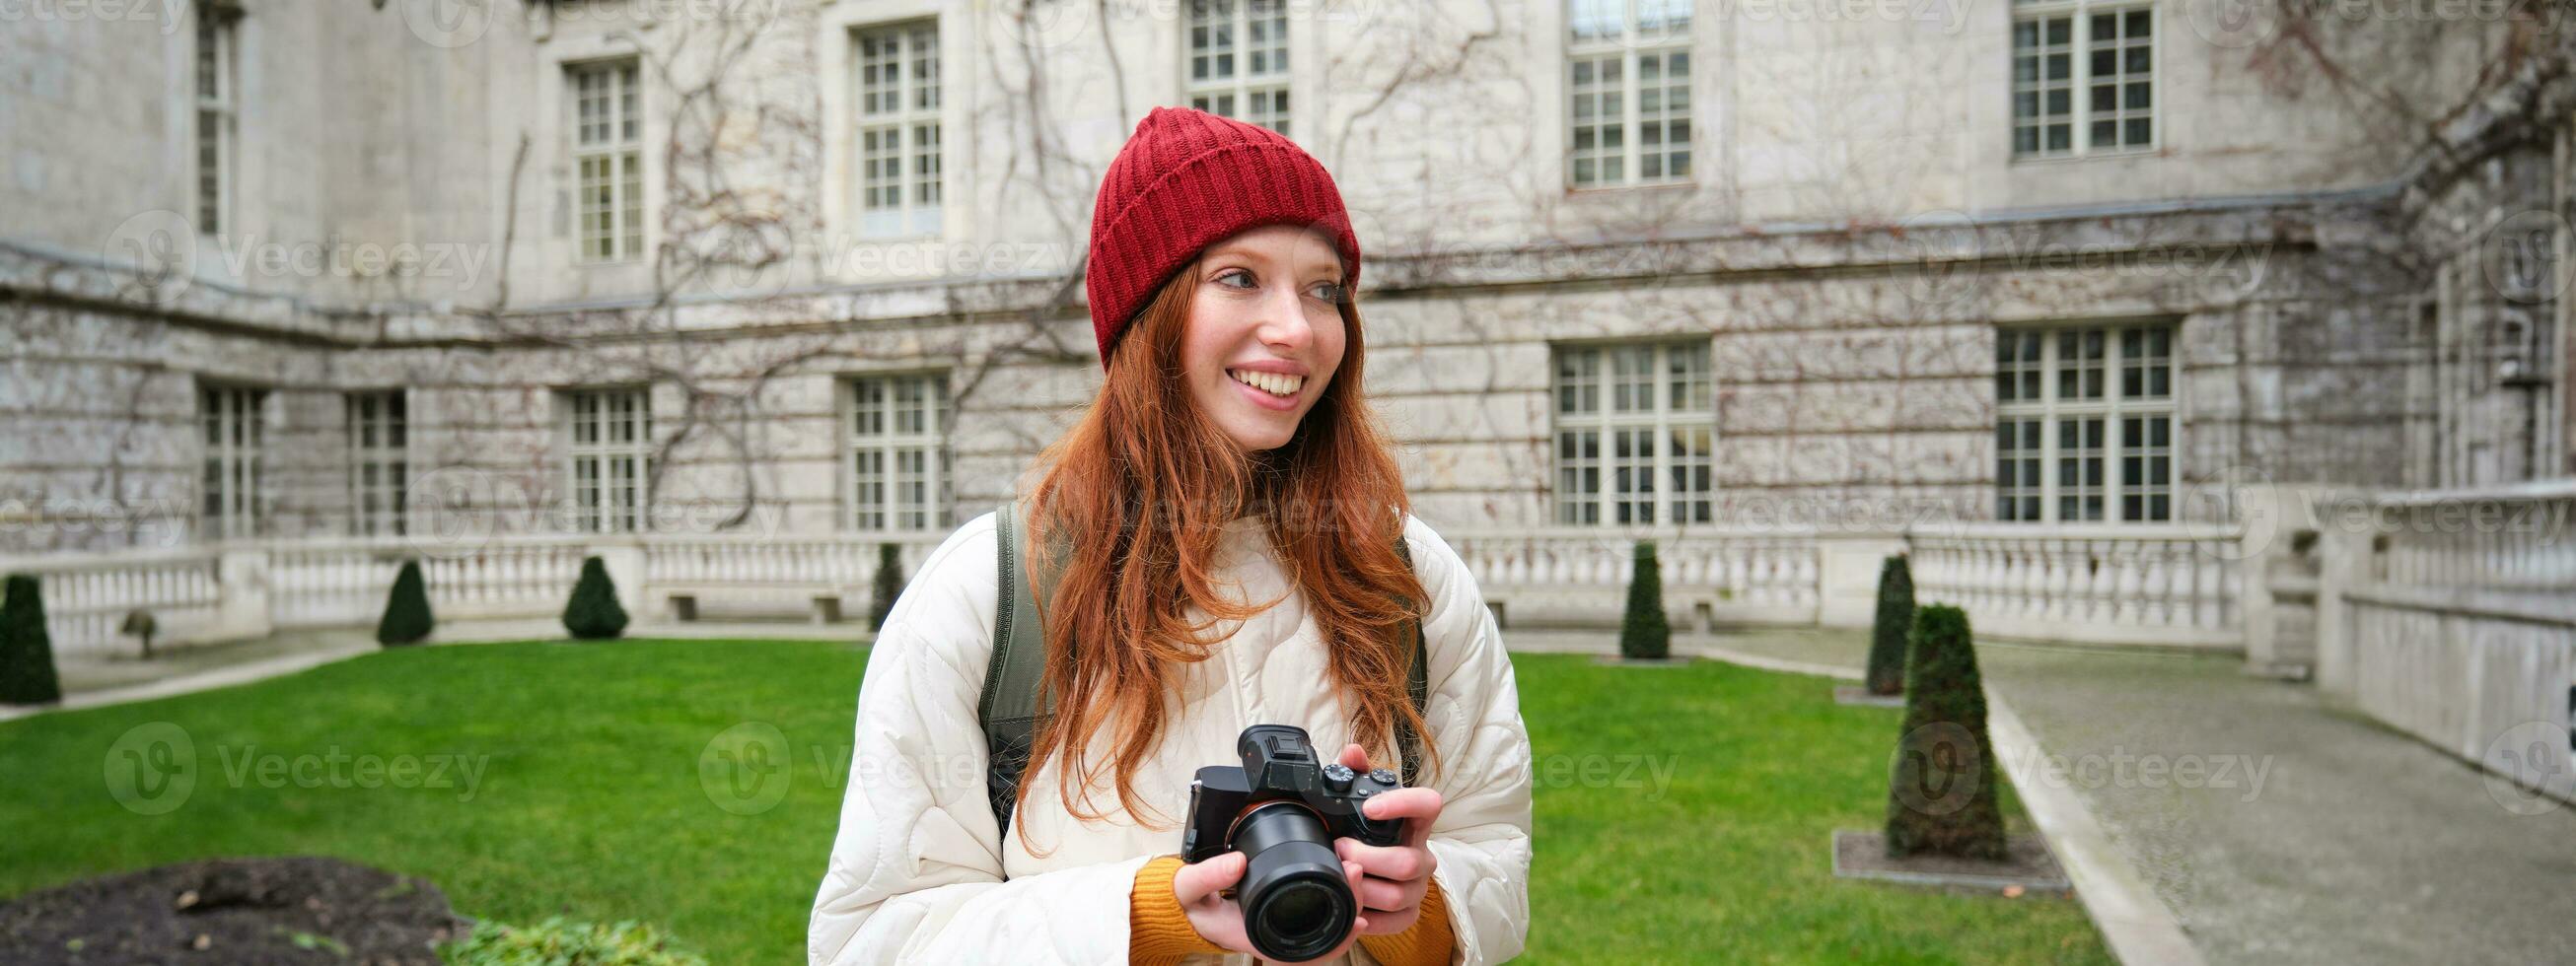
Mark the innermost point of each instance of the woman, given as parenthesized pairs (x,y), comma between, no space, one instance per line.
(1231,513)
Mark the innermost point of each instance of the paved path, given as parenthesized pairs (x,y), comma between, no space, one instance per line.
(2333,839)
(2313,835)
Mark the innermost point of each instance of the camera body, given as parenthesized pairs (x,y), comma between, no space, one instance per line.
(1281,764)
(1282,808)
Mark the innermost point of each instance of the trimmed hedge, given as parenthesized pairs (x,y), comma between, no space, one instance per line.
(407,619)
(26,650)
(1942,798)
(1895,619)
(1643,633)
(889,584)
(593,614)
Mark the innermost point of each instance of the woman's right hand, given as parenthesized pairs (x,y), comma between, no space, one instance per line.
(1218,919)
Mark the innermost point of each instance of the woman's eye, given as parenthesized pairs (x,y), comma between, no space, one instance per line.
(1238,275)
(1328,291)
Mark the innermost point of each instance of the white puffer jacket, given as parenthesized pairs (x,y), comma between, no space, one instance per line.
(920,873)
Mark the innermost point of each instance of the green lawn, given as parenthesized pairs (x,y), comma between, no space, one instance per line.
(592,803)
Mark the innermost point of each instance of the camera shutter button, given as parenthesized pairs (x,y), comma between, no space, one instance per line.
(1338,777)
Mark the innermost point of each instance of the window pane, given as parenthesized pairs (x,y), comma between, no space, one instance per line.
(1657,461)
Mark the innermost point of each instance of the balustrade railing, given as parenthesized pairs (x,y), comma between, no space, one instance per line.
(88,596)
(1577,575)
(2168,585)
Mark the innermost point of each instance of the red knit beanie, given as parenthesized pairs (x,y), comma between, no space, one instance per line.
(1188,179)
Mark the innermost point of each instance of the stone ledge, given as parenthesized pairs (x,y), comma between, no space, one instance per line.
(1861,697)
(2027,865)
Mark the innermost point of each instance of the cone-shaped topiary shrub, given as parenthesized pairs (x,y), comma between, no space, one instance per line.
(26,650)
(594,613)
(406,619)
(1942,798)
(889,583)
(1895,620)
(1644,634)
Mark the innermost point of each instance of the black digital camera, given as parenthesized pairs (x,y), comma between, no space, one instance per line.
(1282,809)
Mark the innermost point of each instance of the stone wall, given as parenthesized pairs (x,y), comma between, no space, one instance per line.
(1823,250)
(1856,390)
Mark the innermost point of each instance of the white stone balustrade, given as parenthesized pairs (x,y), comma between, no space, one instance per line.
(87,596)
(1570,576)
(249,588)
(320,583)
(2160,585)
(2452,616)
(2502,539)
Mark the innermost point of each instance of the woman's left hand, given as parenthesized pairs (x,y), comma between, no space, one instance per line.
(1393,877)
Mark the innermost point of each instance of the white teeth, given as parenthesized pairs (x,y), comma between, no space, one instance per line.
(1273,383)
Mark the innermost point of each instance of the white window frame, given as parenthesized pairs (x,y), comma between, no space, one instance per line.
(1650,37)
(2059,420)
(379,462)
(1226,70)
(1592,403)
(608,457)
(2030,81)
(898,151)
(604,105)
(895,429)
(233,423)
(215,81)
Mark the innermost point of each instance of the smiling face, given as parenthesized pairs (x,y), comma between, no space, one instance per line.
(1265,331)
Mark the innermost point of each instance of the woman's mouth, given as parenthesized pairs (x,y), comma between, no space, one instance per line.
(1270,390)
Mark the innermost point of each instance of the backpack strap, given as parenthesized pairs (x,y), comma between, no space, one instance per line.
(1013,701)
(1417,679)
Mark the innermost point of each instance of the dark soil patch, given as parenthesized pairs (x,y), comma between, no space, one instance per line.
(233,912)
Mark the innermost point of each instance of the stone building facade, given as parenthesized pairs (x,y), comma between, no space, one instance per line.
(278,271)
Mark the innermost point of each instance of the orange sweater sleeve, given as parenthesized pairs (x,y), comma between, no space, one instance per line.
(1427,942)
(1158,932)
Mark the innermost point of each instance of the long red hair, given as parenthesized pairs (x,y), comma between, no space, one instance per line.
(1143,484)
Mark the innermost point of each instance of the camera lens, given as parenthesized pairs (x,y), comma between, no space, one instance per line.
(1299,912)
(1296,903)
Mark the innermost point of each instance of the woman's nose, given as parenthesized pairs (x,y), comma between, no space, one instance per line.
(1284,325)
